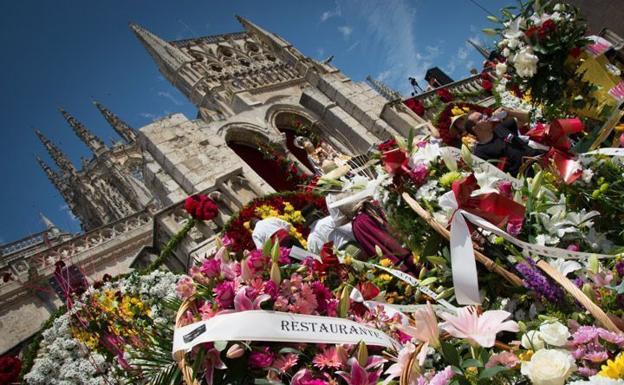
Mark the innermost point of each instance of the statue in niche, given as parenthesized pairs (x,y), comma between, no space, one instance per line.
(322,157)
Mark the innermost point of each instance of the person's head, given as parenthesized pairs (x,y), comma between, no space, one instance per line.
(252,222)
(477,124)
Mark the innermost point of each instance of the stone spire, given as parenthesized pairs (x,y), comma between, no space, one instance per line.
(383,89)
(484,52)
(49,224)
(261,32)
(123,129)
(95,144)
(168,57)
(57,155)
(55,178)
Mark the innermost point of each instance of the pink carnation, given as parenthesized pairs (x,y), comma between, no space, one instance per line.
(507,359)
(419,174)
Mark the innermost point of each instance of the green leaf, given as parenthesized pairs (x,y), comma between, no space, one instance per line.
(266,248)
(450,354)
(287,350)
(491,372)
(472,362)
(410,140)
(490,31)
(493,19)
(436,260)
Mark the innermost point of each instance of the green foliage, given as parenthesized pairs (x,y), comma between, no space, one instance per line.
(169,247)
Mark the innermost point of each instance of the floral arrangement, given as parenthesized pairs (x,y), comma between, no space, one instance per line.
(540,47)
(287,206)
(286,165)
(100,339)
(443,120)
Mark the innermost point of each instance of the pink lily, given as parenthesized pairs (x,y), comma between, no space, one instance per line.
(242,302)
(360,375)
(478,329)
(425,330)
(395,370)
(213,361)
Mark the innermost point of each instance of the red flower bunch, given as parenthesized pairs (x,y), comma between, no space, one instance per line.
(444,119)
(10,367)
(201,207)
(415,105)
(445,95)
(387,145)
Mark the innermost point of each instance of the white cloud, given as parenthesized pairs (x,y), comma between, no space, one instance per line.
(389,29)
(69,213)
(345,30)
(352,46)
(383,75)
(462,53)
(167,95)
(320,53)
(148,115)
(331,13)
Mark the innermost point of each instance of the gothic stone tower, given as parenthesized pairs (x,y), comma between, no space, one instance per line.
(109,186)
(249,87)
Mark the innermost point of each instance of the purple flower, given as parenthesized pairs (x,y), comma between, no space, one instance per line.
(262,359)
(619,267)
(224,294)
(419,173)
(211,267)
(534,280)
(514,227)
(573,247)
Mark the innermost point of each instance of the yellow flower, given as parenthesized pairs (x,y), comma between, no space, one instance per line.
(415,257)
(385,277)
(526,356)
(619,128)
(288,207)
(457,111)
(614,368)
(385,262)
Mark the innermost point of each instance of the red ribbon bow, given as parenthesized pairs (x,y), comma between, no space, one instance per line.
(493,207)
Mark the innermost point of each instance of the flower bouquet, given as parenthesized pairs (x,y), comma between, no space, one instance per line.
(540,51)
(512,221)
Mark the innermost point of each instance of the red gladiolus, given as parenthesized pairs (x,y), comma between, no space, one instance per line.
(393,160)
(445,95)
(487,85)
(9,369)
(387,145)
(531,32)
(201,207)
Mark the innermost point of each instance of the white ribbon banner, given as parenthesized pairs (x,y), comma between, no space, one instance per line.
(271,326)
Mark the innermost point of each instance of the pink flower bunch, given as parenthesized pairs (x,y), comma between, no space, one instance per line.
(296,296)
(589,346)
(419,174)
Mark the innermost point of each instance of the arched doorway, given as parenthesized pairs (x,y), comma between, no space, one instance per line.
(293,125)
(268,169)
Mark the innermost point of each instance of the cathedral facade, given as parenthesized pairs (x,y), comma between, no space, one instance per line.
(252,89)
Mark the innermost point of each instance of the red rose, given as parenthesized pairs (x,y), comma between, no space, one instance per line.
(547,27)
(445,95)
(9,369)
(415,105)
(201,207)
(531,32)
(487,85)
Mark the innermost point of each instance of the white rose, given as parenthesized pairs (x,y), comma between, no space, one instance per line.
(549,367)
(525,62)
(555,333)
(513,43)
(533,340)
(506,52)
(501,69)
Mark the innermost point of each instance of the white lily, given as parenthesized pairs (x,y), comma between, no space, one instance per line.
(513,31)
(425,155)
(488,181)
(546,240)
(449,160)
(582,218)
(565,267)
(598,241)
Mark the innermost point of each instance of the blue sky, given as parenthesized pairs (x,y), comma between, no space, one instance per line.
(63,53)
